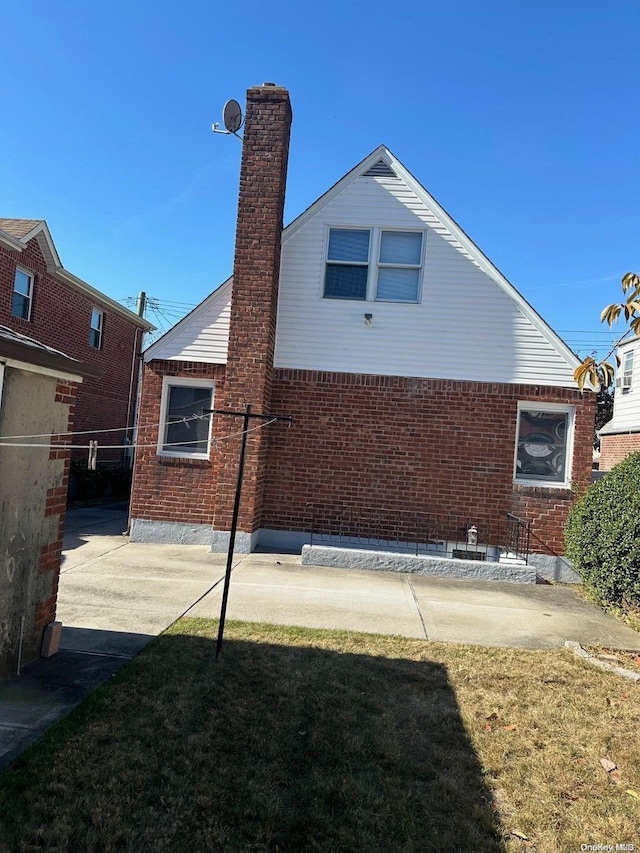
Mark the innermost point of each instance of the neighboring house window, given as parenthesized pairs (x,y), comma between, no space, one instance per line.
(22,294)
(184,431)
(627,371)
(544,444)
(394,276)
(95,333)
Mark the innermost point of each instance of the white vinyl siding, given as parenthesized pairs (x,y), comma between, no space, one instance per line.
(465,327)
(202,335)
(626,401)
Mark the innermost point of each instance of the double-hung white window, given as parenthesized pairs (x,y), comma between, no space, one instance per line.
(347,264)
(627,370)
(399,264)
(184,430)
(374,264)
(95,330)
(22,294)
(544,444)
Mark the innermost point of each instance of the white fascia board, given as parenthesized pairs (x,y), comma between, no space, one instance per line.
(43,235)
(10,242)
(88,290)
(36,368)
(219,293)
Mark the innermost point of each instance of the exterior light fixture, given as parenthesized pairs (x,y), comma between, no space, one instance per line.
(472,535)
(368,319)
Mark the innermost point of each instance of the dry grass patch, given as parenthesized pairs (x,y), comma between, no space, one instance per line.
(301,740)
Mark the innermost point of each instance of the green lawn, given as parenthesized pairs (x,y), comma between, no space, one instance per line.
(300,740)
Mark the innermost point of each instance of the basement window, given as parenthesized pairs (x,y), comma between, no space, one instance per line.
(184,431)
(544,445)
(22,295)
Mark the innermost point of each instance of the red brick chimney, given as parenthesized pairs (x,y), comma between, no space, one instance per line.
(254,303)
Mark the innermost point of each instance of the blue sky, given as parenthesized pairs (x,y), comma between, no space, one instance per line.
(521,118)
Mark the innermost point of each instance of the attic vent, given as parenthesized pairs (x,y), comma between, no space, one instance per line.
(380,170)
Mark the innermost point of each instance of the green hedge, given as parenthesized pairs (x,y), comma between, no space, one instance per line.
(602,535)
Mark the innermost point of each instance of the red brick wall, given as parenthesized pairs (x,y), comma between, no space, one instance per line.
(55,506)
(414,445)
(61,318)
(166,488)
(358,441)
(256,269)
(615,448)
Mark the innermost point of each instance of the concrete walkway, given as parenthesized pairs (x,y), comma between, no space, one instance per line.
(115,596)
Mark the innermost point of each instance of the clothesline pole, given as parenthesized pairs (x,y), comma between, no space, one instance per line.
(246,416)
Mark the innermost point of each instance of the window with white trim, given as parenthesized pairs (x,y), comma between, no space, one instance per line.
(627,370)
(184,430)
(544,442)
(347,264)
(95,331)
(393,275)
(399,264)
(22,294)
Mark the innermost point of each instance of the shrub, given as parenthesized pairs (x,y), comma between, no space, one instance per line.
(602,534)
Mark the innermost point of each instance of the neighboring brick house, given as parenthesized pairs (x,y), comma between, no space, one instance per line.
(418,379)
(40,299)
(621,435)
(38,388)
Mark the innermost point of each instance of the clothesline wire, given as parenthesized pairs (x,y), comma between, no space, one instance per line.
(214,441)
(193,417)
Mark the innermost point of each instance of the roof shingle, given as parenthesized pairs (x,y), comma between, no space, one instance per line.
(18,227)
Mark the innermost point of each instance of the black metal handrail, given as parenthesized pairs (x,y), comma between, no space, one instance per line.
(517,537)
(426,533)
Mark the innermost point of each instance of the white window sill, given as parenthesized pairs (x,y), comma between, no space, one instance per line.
(542,484)
(167,454)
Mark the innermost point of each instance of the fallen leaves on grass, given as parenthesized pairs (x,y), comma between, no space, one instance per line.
(519,835)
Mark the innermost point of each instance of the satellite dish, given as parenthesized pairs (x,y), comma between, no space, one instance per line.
(232,116)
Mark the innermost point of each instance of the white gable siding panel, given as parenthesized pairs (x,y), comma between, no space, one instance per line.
(626,402)
(201,336)
(466,327)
